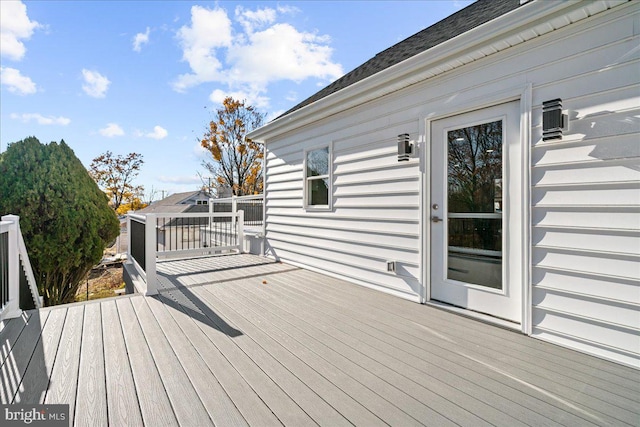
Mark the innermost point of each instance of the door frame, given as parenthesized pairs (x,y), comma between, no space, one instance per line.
(522,94)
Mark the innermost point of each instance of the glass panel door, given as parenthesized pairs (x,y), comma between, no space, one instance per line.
(474,195)
(475,211)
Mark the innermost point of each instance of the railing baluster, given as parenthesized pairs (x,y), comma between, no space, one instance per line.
(181,235)
(4,268)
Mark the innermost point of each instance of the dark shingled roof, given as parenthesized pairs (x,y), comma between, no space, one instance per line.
(460,22)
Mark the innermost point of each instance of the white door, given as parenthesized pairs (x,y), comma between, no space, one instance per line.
(475,212)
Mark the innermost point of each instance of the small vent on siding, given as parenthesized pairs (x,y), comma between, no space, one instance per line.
(391,266)
(554,121)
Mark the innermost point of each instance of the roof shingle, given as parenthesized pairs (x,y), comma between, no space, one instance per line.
(466,19)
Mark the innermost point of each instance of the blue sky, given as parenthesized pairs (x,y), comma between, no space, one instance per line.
(146,76)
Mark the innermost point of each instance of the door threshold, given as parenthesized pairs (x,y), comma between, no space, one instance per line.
(495,321)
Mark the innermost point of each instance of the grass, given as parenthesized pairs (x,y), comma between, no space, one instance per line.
(102,283)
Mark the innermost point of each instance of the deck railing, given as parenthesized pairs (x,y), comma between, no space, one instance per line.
(253,207)
(179,235)
(14,265)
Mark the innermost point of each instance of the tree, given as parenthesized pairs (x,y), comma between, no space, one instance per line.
(237,161)
(65,218)
(115,174)
(133,205)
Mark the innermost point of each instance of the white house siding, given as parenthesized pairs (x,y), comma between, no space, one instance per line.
(584,195)
(376,202)
(585,192)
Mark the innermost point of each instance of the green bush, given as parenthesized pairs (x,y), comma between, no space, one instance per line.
(65,218)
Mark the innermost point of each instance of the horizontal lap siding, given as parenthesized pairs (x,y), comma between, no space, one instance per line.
(376,200)
(585,189)
(585,196)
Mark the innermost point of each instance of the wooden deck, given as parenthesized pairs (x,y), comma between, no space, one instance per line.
(239,340)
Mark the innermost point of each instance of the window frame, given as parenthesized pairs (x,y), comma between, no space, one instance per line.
(328,176)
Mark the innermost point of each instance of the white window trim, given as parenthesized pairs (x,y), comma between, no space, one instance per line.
(305,196)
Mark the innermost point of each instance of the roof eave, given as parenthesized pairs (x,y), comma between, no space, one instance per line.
(415,69)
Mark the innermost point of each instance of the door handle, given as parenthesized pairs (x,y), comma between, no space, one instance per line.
(436,219)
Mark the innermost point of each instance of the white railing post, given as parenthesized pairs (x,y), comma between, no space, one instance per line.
(240,215)
(209,233)
(234,210)
(12,307)
(129,257)
(150,253)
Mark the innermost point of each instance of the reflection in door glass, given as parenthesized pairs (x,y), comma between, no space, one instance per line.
(475,204)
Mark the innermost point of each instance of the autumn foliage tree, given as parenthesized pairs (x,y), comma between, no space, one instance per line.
(133,204)
(236,161)
(115,175)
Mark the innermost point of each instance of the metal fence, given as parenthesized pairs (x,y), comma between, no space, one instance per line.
(252,206)
(137,244)
(4,268)
(179,235)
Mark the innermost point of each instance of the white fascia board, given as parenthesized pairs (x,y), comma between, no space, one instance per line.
(419,67)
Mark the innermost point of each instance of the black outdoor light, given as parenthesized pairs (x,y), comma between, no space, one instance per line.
(554,121)
(405,147)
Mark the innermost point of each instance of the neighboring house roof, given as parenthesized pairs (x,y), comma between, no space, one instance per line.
(178,202)
(460,22)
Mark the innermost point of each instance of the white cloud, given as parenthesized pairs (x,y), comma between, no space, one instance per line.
(140,39)
(95,84)
(248,61)
(252,97)
(40,119)
(158,133)
(251,19)
(16,82)
(281,53)
(15,26)
(112,129)
(209,30)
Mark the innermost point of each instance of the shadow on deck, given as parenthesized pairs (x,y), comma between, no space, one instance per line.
(241,340)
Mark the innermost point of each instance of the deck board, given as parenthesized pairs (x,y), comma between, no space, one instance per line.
(487,350)
(17,361)
(445,367)
(248,402)
(223,337)
(282,367)
(155,406)
(217,403)
(91,407)
(440,393)
(11,330)
(63,382)
(488,354)
(36,378)
(241,340)
(186,403)
(122,400)
(308,372)
(353,380)
(537,353)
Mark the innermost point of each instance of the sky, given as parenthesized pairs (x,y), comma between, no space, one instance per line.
(148,76)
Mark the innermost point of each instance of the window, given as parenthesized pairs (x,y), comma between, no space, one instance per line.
(318,178)
(202,202)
